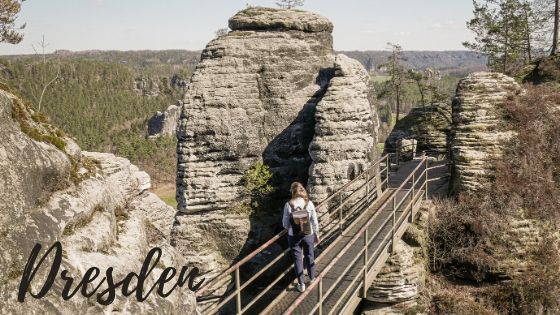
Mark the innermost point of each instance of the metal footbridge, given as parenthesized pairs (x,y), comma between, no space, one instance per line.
(360,223)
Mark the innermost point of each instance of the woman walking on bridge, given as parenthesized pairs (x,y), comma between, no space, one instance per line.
(300,219)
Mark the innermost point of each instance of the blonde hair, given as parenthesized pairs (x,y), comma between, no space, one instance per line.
(293,190)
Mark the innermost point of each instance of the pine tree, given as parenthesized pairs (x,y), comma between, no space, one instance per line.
(8,14)
(397,73)
(503,32)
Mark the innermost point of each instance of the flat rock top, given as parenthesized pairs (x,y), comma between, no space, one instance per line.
(272,19)
(490,81)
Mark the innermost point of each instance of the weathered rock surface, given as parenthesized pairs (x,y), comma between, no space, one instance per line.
(399,283)
(429,125)
(164,123)
(399,279)
(97,205)
(475,137)
(252,96)
(345,130)
(270,19)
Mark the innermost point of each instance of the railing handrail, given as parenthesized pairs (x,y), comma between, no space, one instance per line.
(319,278)
(272,240)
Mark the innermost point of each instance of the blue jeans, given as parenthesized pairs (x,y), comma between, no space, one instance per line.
(305,242)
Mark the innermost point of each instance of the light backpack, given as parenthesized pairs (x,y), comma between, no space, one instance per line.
(300,219)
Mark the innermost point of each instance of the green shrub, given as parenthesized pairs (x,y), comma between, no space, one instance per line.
(257,180)
(256,189)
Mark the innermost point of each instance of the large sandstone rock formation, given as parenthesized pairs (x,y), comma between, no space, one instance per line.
(476,137)
(97,205)
(345,130)
(478,140)
(252,96)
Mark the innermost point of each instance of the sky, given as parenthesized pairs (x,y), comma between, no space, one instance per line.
(186,24)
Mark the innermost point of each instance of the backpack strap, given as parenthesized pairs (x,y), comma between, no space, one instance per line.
(291,205)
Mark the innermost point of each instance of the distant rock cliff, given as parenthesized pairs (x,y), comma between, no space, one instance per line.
(164,123)
(96,204)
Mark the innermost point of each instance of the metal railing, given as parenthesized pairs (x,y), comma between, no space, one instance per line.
(397,152)
(350,201)
(397,222)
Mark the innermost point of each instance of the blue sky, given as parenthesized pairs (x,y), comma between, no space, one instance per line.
(186,24)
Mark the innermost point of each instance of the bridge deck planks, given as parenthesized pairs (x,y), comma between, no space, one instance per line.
(287,298)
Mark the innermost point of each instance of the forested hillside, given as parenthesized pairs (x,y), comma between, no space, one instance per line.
(455,63)
(104,99)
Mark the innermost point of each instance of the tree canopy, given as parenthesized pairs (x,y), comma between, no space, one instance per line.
(8,15)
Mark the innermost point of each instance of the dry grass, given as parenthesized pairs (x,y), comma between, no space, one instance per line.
(468,235)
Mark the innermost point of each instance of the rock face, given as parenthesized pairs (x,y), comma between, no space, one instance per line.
(399,279)
(478,138)
(475,136)
(164,123)
(345,130)
(252,96)
(430,126)
(97,205)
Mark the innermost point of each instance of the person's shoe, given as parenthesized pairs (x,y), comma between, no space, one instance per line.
(311,280)
(300,287)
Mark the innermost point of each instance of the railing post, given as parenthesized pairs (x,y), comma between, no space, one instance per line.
(379,189)
(413,183)
(387,170)
(365,262)
(412,199)
(320,292)
(426,178)
(237,291)
(367,186)
(398,154)
(340,213)
(393,227)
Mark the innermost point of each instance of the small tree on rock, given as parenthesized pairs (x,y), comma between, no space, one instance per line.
(45,81)
(397,74)
(222,32)
(289,4)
